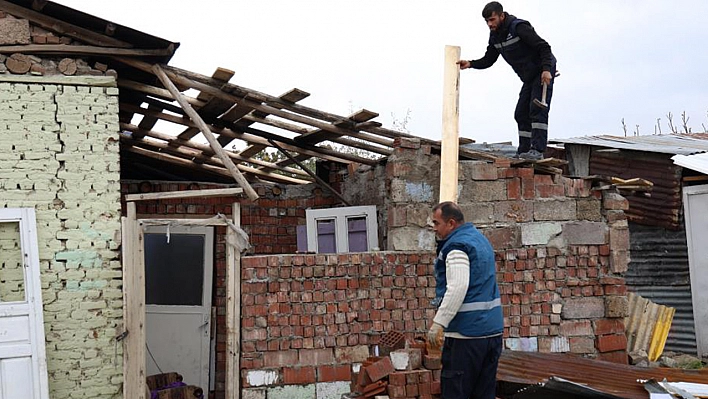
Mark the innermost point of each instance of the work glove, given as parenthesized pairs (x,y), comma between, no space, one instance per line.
(436,335)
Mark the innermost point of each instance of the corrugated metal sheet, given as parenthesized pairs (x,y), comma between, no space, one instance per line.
(616,379)
(659,271)
(647,326)
(697,162)
(664,206)
(685,144)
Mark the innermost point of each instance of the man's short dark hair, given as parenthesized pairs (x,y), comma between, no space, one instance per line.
(491,8)
(450,210)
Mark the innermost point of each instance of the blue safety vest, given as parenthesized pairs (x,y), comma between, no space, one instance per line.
(481,312)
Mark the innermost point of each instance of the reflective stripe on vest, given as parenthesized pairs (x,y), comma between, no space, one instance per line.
(507,43)
(471,307)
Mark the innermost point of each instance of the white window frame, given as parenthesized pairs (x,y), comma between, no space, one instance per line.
(341,231)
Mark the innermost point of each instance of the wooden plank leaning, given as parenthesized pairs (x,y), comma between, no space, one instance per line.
(206,131)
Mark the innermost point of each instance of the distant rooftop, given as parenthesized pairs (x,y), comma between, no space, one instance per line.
(676,144)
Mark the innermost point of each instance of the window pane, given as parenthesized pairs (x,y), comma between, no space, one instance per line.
(174,271)
(356,228)
(326,241)
(12,274)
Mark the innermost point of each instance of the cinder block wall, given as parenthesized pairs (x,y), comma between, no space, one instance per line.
(59,155)
(561,248)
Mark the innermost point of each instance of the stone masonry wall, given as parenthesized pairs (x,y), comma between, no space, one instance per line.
(59,155)
(561,248)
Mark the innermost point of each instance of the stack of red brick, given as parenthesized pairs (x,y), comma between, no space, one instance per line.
(400,373)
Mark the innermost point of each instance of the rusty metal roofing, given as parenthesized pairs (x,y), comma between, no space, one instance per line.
(612,378)
(684,144)
(697,162)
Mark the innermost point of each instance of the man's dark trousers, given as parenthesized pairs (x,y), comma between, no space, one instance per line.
(469,367)
(531,119)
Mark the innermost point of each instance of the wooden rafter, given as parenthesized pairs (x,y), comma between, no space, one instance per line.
(206,131)
(62,27)
(255,136)
(189,154)
(213,107)
(171,141)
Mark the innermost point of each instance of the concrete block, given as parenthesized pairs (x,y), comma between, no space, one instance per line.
(619,238)
(616,306)
(539,233)
(478,213)
(524,344)
(513,211)
(14,31)
(582,345)
(583,308)
(259,378)
(482,191)
(585,233)
(619,261)
(411,239)
(503,237)
(351,354)
(331,390)
(253,393)
(554,209)
(479,170)
(293,392)
(406,359)
(614,201)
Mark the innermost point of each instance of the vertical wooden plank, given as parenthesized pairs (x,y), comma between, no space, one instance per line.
(233,311)
(450,125)
(133,307)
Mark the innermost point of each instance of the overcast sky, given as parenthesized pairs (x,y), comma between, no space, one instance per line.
(631,59)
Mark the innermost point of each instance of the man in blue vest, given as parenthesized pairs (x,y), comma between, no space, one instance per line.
(469,316)
(531,58)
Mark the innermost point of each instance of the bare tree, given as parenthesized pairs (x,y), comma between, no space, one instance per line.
(658,126)
(636,130)
(624,127)
(670,117)
(684,121)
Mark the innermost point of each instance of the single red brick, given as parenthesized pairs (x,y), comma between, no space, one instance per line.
(609,343)
(333,373)
(412,390)
(424,388)
(380,369)
(299,375)
(397,378)
(609,326)
(614,357)
(396,392)
(513,189)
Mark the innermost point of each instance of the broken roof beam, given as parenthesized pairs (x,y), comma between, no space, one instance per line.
(317,136)
(189,155)
(206,131)
(62,27)
(240,92)
(255,136)
(291,96)
(212,107)
(85,50)
(314,176)
(155,91)
(172,141)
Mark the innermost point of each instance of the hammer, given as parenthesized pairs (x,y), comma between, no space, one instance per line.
(542,103)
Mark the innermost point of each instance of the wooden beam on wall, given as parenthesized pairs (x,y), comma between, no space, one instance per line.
(206,131)
(84,50)
(233,310)
(449,158)
(133,306)
(62,27)
(208,193)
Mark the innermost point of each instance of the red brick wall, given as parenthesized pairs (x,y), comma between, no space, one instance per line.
(310,316)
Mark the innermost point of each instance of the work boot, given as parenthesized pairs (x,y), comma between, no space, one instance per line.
(531,155)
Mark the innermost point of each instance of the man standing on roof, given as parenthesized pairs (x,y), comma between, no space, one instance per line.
(531,58)
(469,316)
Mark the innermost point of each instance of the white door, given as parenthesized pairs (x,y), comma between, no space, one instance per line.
(695,203)
(23,363)
(178,280)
